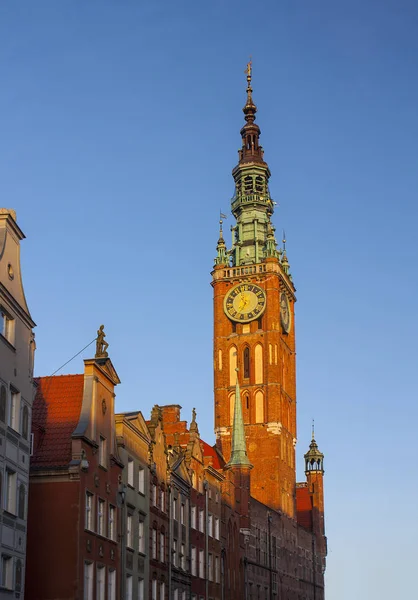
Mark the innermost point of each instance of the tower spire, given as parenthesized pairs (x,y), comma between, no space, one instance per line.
(239,456)
(251,150)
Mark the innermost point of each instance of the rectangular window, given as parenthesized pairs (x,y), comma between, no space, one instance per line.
(111,584)
(6,326)
(154,589)
(102,452)
(162,500)
(162,590)
(10,496)
(193,517)
(89,511)
(217,570)
(112,523)
(210,525)
(201,520)
(141,537)
(194,561)
(130,472)
(100,583)
(182,514)
(141,480)
(14,409)
(162,547)
(141,589)
(176,594)
(100,516)
(201,564)
(210,567)
(175,553)
(154,494)
(216,528)
(175,508)
(183,595)
(129,533)
(183,557)
(128,591)
(88,581)
(154,543)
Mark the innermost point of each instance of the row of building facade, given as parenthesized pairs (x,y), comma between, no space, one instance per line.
(101,505)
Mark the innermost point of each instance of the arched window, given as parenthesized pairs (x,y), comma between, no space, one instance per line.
(246,363)
(231,407)
(258,184)
(3,394)
(232,365)
(21,503)
(25,422)
(259,407)
(258,363)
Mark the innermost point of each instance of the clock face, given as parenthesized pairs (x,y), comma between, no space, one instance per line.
(245,302)
(284,312)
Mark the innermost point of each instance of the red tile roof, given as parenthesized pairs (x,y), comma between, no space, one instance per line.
(56,411)
(217,461)
(304,507)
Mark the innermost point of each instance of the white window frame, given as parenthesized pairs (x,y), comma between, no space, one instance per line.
(201,564)
(141,536)
(111,523)
(216,528)
(89,512)
(129,531)
(201,520)
(162,547)
(14,409)
(131,466)
(100,582)
(111,584)
(141,480)
(194,561)
(210,525)
(7,326)
(101,516)
(88,580)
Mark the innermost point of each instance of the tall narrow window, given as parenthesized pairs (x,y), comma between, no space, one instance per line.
(246,363)
(231,407)
(232,365)
(100,583)
(111,584)
(88,581)
(3,400)
(141,537)
(258,363)
(141,480)
(130,472)
(259,407)
(128,591)
(100,516)
(10,500)
(194,561)
(154,543)
(202,564)
(141,589)
(112,523)
(162,590)
(154,589)
(25,422)
(21,502)
(14,409)
(102,452)
(129,533)
(18,576)
(162,547)
(89,514)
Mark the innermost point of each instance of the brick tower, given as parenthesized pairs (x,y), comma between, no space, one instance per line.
(254,329)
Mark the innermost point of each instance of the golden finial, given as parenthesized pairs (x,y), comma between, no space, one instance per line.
(249,72)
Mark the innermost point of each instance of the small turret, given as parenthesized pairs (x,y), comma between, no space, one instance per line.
(314,459)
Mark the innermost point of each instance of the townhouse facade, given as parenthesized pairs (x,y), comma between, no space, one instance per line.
(17,390)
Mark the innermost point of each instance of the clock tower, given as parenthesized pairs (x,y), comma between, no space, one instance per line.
(254,329)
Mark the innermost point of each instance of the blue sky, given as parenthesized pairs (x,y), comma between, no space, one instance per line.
(120,126)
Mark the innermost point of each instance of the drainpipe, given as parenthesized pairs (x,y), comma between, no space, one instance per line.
(269,519)
(121,494)
(205,487)
(170,539)
(314,566)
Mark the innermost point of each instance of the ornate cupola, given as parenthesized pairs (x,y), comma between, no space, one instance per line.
(314,459)
(253,235)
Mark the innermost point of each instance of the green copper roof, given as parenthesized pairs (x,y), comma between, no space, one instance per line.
(239,456)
